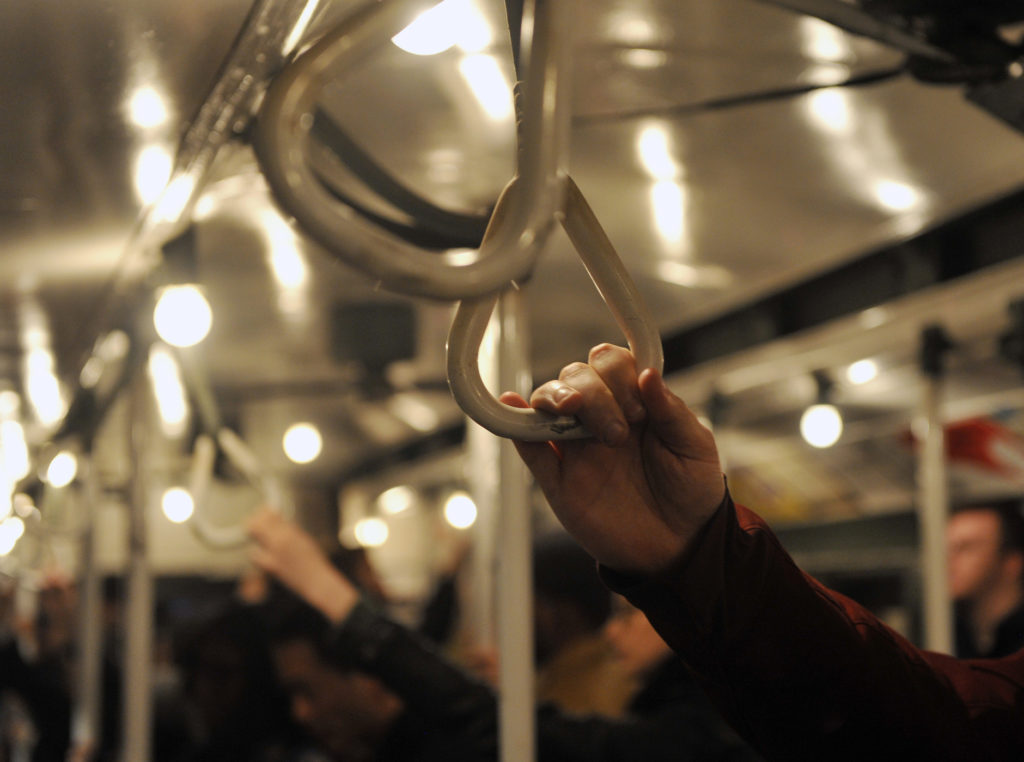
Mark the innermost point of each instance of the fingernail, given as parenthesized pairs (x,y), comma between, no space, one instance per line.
(615,433)
(562,393)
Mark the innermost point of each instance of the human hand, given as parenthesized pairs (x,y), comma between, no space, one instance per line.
(288,553)
(637,493)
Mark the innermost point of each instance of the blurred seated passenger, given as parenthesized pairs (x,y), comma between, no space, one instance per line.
(986,578)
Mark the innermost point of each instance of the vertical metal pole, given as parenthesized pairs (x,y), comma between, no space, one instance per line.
(504,536)
(86,721)
(138,656)
(515,571)
(933,499)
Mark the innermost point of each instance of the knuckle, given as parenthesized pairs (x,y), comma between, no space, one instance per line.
(573,369)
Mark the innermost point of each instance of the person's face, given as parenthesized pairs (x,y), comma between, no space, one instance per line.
(348,713)
(635,641)
(975,554)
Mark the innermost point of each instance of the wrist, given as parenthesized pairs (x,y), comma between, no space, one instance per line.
(335,598)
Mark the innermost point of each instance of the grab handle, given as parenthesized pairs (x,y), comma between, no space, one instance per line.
(619,293)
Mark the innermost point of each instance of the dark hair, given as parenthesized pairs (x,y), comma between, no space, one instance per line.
(1010,512)
(564,572)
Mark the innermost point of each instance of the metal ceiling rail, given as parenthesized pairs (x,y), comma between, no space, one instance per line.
(281,141)
(540,193)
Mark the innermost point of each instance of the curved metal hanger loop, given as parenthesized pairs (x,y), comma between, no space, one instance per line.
(201,476)
(617,289)
(217,436)
(281,142)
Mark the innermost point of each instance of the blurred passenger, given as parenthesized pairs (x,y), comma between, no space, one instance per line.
(451,710)
(577,670)
(36,672)
(349,713)
(235,708)
(986,578)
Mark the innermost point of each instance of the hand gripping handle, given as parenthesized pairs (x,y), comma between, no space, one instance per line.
(619,293)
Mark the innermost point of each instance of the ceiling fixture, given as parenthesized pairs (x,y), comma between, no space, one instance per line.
(862,371)
(460,510)
(62,469)
(371,532)
(821,425)
(177,505)
(182,316)
(453,22)
(11,530)
(396,500)
(302,443)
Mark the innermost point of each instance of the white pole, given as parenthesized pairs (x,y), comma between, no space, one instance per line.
(137,692)
(933,513)
(515,570)
(503,560)
(86,721)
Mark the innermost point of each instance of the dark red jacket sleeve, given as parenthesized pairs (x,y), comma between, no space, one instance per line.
(804,673)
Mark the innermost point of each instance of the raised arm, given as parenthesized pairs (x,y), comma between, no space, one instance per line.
(800,671)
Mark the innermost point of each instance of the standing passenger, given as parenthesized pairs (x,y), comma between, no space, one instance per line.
(986,578)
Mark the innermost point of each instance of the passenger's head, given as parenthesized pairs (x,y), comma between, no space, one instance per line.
(570,601)
(634,640)
(986,548)
(345,711)
(228,676)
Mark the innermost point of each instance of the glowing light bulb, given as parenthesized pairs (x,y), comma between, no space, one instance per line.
(302,443)
(371,532)
(460,510)
(177,505)
(396,500)
(821,425)
(182,316)
(62,469)
(862,371)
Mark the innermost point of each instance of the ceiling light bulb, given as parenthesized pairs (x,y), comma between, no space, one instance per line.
(821,425)
(862,371)
(460,510)
(433,31)
(62,469)
(11,531)
(396,500)
(302,443)
(177,505)
(182,316)
(371,532)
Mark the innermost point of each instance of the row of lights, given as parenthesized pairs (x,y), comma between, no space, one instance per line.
(460,512)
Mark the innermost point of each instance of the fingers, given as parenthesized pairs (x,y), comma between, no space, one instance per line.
(602,393)
(539,457)
(617,368)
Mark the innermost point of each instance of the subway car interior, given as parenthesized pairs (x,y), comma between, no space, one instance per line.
(244,264)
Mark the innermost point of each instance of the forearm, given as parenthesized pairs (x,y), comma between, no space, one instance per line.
(799,670)
(431,686)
